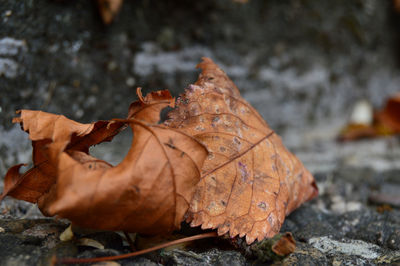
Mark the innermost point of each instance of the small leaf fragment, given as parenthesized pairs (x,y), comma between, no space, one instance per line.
(386,122)
(109,9)
(274,249)
(88,242)
(67,234)
(285,245)
(390,115)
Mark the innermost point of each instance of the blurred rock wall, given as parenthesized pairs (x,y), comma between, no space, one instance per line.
(299,62)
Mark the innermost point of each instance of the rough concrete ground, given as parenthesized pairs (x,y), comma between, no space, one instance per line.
(302,64)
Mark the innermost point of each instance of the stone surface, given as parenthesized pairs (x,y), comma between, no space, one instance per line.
(297,62)
(210,257)
(324,234)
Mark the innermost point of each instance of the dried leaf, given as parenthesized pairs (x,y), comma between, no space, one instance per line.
(148,192)
(109,9)
(67,234)
(249,181)
(271,249)
(396,5)
(390,115)
(385,122)
(356,131)
(51,134)
(285,245)
(88,242)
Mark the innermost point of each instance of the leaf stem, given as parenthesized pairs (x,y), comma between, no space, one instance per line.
(136,253)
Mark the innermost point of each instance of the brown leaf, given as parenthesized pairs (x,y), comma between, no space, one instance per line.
(148,192)
(385,122)
(285,245)
(390,115)
(356,131)
(109,9)
(51,134)
(247,186)
(249,181)
(11,180)
(396,5)
(272,249)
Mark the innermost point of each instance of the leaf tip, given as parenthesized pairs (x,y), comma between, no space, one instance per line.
(18,119)
(139,94)
(11,180)
(108,9)
(205,63)
(315,190)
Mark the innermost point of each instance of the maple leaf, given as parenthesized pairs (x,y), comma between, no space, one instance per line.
(250,181)
(148,192)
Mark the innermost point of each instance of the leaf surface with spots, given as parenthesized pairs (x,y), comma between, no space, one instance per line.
(250,181)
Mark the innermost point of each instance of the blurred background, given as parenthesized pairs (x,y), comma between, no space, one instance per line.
(303,64)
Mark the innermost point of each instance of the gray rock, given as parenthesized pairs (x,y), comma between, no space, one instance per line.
(94,253)
(28,242)
(140,261)
(8,68)
(393,240)
(355,252)
(306,255)
(348,247)
(211,257)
